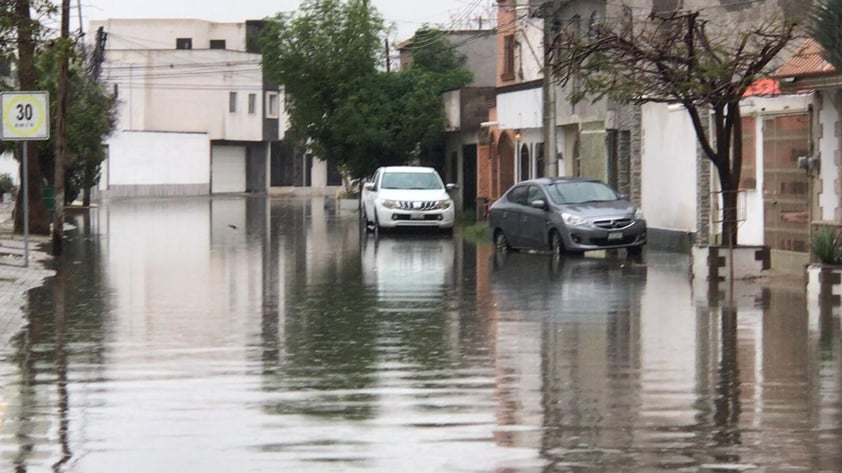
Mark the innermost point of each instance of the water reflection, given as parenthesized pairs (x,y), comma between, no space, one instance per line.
(251,334)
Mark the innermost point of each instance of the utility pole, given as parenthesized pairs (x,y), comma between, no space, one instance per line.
(61,130)
(550,14)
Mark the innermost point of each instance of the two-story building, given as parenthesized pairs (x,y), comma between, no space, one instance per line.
(466,109)
(196,113)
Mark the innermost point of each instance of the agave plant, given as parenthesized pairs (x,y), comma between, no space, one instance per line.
(827,245)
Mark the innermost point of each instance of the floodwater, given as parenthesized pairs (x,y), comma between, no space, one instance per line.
(246,334)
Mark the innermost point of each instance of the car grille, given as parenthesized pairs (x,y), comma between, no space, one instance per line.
(416,205)
(613,224)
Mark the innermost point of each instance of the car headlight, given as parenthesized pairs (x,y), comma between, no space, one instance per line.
(390,204)
(638,213)
(570,219)
(443,204)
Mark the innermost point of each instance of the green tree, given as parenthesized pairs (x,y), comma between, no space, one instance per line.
(826,18)
(354,115)
(322,54)
(91,118)
(21,30)
(678,59)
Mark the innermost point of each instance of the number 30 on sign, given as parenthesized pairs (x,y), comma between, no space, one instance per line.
(26,116)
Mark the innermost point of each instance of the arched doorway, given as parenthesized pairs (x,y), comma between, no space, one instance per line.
(506,163)
(525,162)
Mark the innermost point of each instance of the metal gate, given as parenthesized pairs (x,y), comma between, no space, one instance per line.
(786,187)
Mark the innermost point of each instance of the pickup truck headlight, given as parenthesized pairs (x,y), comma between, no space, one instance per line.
(443,204)
(390,204)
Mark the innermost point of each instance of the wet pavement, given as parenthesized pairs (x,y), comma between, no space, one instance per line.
(17,274)
(254,335)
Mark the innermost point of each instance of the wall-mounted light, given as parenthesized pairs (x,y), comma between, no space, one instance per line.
(518,136)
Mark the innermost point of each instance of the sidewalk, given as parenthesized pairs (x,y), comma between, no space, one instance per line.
(15,279)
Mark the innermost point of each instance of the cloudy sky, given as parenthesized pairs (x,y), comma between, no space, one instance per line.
(405,15)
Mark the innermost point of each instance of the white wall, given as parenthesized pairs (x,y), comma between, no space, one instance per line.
(531,38)
(453,109)
(521,109)
(144,33)
(668,169)
(828,149)
(148,158)
(8,165)
(188,91)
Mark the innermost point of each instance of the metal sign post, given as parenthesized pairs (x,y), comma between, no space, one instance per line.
(26,117)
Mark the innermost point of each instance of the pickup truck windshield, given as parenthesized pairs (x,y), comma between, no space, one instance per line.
(411,180)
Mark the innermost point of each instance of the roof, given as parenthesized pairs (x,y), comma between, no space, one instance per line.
(422,169)
(807,61)
(554,179)
(765,87)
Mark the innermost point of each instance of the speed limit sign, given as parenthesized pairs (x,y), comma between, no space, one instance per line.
(26,116)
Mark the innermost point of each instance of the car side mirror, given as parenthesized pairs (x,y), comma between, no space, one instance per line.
(623,197)
(539,204)
(451,187)
(369,186)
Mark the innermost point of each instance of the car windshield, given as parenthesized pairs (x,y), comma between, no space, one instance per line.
(580,192)
(411,180)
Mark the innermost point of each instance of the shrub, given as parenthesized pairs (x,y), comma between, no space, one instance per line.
(827,246)
(6,183)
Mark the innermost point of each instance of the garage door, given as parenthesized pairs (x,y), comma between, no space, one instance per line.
(228,169)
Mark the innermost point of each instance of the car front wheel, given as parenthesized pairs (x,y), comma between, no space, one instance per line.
(501,242)
(556,245)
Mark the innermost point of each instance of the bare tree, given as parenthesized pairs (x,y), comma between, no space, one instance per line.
(677,59)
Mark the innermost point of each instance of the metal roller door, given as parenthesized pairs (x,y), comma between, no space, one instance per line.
(228,169)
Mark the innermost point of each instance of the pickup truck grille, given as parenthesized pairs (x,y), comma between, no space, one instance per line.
(416,205)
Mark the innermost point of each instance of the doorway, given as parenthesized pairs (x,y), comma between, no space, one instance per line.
(786,187)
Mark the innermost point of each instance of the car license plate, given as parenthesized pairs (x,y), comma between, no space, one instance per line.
(615,236)
(416,216)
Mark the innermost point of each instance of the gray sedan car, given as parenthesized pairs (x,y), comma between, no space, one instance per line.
(564,214)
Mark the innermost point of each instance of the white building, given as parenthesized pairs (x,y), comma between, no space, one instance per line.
(196,114)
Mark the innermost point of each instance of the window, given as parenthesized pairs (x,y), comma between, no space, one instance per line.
(184,43)
(232,102)
(217,44)
(666,6)
(271,105)
(534,193)
(518,195)
(508,58)
(252,103)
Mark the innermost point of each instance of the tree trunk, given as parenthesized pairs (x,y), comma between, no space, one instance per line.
(729,217)
(39,222)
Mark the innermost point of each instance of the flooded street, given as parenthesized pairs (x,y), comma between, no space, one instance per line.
(245,334)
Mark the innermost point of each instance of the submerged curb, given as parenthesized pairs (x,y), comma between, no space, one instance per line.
(15,279)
